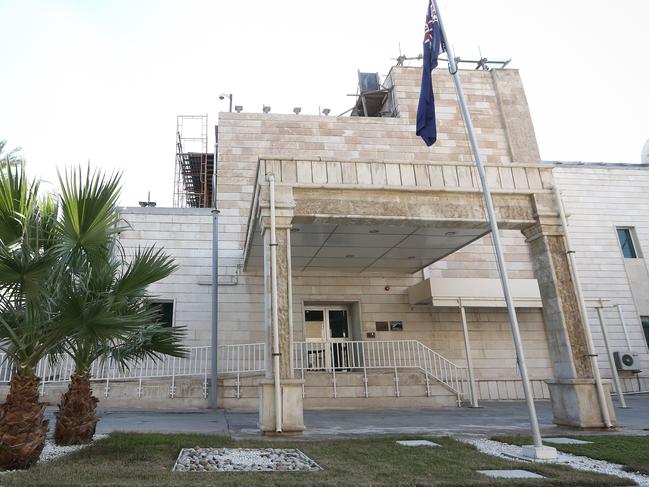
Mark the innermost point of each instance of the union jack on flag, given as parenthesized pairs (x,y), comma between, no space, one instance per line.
(433,45)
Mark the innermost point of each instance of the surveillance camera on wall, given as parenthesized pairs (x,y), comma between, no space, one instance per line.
(297,110)
(326,111)
(266,109)
(238,108)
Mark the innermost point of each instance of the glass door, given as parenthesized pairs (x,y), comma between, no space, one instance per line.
(326,331)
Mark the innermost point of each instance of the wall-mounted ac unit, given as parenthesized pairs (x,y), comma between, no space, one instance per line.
(627,361)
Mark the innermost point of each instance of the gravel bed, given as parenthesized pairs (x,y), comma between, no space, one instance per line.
(51,451)
(243,460)
(507,451)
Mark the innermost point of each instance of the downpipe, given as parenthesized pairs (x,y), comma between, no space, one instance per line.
(273,290)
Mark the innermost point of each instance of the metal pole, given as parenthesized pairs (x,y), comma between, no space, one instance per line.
(624,329)
(274,302)
(289,270)
(230,102)
(469,360)
(215,308)
(590,345)
(611,360)
(495,235)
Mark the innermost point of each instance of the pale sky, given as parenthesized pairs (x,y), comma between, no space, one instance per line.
(103,81)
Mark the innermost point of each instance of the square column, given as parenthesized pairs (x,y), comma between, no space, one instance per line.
(290,397)
(572,391)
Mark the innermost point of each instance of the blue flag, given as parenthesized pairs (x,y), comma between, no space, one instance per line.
(433,45)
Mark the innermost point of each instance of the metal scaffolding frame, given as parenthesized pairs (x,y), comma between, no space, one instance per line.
(193,180)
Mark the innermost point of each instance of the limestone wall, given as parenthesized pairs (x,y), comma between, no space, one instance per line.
(597,199)
(186,235)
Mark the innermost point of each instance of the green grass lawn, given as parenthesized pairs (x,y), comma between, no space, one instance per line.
(631,451)
(146,460)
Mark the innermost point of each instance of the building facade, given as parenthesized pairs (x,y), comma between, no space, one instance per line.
(350,252)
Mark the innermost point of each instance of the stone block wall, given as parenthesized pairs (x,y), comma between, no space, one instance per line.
(186,235)
(598,199)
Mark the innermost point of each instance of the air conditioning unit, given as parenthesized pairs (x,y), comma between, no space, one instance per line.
(627,361)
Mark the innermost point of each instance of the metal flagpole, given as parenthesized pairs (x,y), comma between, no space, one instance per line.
(500,259)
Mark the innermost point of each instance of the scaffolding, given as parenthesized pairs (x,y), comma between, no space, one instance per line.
(193,180)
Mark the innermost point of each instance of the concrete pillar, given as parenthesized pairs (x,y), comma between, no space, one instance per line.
(291,389)
(572,390)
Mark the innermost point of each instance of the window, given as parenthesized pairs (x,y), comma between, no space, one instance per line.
(625,236)
(165,312)
(645,327)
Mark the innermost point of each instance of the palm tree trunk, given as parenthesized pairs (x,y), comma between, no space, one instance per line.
(76,419)
(22,428)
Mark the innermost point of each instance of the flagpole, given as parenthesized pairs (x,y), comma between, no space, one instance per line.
(495,235)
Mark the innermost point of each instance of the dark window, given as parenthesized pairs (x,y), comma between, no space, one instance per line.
(338,323)
(626,242)
(645,327)
(313,315)
(165,312)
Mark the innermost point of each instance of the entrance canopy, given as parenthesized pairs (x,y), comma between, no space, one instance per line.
(484,293)
(368,248)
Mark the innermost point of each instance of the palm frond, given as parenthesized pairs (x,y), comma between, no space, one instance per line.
(89,213)
(18,199)
(153,341)
(147,266)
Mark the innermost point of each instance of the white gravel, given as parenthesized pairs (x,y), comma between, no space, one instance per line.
(51,451)
(506,451)
(243,460)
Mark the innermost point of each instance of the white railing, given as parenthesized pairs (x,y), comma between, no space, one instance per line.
(249,358)
(361,356)
(231,359)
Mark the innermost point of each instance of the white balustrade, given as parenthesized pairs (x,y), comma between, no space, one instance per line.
(249,358)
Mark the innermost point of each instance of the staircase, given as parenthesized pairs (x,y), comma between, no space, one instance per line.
(362,374)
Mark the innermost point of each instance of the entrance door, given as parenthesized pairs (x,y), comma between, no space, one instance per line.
(327,333)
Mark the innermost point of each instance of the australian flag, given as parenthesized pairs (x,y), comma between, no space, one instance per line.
(433,45)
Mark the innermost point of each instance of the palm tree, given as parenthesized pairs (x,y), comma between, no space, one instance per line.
(107,304)
(103,299)
(28,325)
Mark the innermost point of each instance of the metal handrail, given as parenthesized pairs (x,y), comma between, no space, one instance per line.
(379,354)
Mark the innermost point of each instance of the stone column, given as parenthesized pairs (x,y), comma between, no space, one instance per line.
(291,389)
(572,391)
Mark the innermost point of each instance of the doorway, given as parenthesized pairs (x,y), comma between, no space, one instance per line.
(326,331)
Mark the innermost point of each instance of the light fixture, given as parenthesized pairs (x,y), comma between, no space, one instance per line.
(450,234)
(373,231)
(148,202)
(326,111)
(297,110)
(412,257)
(223,96)
(238,108)
(349,256)
(295,229)
(266,109)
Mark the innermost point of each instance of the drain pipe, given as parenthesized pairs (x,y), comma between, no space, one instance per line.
(274,316)
(601,396)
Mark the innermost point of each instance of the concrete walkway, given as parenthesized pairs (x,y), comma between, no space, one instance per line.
(491,418)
